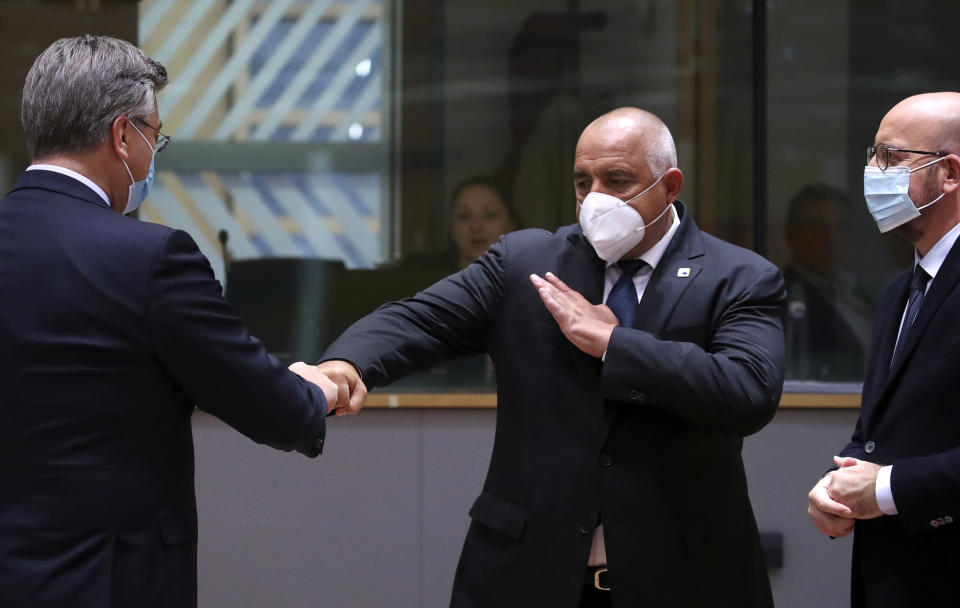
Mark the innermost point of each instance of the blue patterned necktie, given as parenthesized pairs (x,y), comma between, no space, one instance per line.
(918,286)
(623,297)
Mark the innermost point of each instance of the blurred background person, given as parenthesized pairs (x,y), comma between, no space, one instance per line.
(480,212)
(829,313)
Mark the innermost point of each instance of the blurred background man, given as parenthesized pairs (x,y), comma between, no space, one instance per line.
(829,313)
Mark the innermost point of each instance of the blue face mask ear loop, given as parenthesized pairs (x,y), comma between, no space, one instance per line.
(146,183)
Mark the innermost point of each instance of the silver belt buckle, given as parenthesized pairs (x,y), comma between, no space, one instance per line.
(596,579)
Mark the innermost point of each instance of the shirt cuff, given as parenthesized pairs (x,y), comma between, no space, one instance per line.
(885,492)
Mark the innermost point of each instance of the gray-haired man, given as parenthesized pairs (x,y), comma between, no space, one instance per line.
(111,330)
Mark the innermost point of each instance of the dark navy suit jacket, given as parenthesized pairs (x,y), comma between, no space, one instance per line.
(910,418)
(647,442)
(111,329)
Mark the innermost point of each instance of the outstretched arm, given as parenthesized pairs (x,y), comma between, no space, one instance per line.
(451,318)
(206,349)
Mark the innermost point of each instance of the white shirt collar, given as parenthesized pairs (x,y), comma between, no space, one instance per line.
(938,253)
(71,173)
(653,255)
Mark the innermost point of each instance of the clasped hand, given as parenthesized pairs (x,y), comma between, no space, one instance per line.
(340,382)
(844,495)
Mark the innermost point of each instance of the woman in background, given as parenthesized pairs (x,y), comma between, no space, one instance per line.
(480,213)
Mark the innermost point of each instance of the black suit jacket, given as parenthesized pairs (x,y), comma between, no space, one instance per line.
(111,330)
(910,418)
(821,345)
(647,442)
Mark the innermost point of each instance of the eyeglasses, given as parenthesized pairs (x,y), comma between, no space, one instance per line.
(882,152)
(161,140)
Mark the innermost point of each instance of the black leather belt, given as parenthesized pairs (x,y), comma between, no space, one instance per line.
(597,578)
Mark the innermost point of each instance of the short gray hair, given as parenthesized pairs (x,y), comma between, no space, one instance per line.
(661,152)
(79,86)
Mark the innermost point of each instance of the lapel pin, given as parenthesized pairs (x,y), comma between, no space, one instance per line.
(683,272)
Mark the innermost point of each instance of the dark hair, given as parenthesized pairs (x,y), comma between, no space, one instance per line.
(495,185)
(814,192)
(78,86)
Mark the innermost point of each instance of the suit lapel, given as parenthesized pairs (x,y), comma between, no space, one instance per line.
(674,274)
(582,269)
(940,287)
(889,314)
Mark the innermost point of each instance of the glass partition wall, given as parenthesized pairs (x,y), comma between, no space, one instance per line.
(317,144)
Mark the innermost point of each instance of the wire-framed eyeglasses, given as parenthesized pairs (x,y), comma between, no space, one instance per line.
(882,152)
(161,142)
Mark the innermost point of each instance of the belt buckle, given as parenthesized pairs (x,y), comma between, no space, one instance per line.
(596,579)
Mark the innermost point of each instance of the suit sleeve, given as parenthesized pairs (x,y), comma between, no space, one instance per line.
(854,449)
(451,318)
(926,489)
(732,386)
(205,347)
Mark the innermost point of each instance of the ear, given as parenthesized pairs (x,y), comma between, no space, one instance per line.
(951,178)
(118,136)
(673,180)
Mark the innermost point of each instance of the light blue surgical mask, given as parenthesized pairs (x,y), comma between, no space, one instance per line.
(887,195)
(138,191)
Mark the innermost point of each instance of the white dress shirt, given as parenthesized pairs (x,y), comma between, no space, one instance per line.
(931,263)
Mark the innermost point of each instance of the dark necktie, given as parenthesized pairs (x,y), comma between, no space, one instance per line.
(918,285)
(623,297)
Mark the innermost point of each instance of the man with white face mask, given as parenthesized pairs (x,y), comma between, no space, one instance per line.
(616,476)
(898,482)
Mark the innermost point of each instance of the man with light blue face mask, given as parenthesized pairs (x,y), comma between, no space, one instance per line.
(139,190)
(112,331)
(897,483)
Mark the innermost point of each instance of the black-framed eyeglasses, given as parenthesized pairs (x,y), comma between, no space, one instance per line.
(882,152)
(161,142)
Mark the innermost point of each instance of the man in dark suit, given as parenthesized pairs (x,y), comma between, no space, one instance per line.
(898,482)
(829,313)
(616,474)
(111,330)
